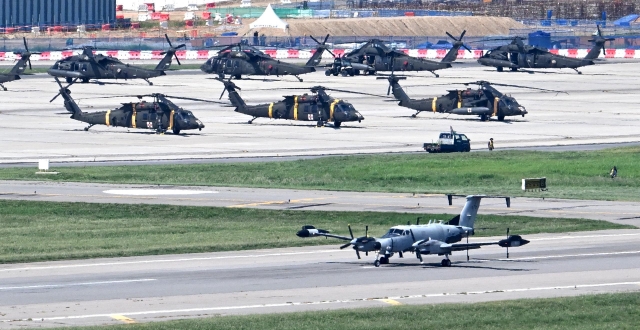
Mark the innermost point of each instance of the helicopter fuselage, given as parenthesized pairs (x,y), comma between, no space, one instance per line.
(237,66)
(146,115)
(106,68)
(306,107)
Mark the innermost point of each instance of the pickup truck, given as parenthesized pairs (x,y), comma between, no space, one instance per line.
(449,142)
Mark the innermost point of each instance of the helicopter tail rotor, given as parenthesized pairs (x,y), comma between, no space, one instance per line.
(458,41)
(63,89)
(172,49)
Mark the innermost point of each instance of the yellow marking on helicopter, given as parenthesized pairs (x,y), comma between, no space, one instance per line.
(295,107)
(133,117)
(106,117)
(433,104)
(171,119)
(459,99)
(332,108)
(271,110)
(495,105)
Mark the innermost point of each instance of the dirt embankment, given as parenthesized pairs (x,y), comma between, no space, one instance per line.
(393,26)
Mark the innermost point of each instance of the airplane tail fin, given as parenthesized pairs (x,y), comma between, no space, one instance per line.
(467,217)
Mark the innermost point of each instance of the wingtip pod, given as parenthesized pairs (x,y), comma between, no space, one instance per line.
(310,231)
(513,241)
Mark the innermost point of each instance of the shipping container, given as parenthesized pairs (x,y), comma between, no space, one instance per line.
(24,14)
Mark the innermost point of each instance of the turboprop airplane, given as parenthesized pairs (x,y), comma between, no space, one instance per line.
(435,238)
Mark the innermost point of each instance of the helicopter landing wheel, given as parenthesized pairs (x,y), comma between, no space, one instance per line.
(500,118)
(499,69)
(446,263)
(337,123)
(320,123)
(176,131)
(327,73)
(4,88)
(88,127)
(85,80)
(414,115)
(335,74)
(483,117)
(69,80)
(376,263)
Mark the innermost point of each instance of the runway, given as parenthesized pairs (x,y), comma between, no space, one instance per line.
(594,112)
(291,199)
(154,288)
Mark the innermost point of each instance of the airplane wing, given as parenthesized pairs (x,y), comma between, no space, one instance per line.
(439,247)
(311,231)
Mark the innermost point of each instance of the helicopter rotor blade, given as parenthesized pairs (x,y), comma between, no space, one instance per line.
(467,48)
(314,39)
(463,33)
(452,37)
(168,40)
(192,99)
(516,86)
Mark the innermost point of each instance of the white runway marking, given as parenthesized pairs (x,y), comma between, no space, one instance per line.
(49,286)
(165,260)
(326,302)
(157,192)
(585,236)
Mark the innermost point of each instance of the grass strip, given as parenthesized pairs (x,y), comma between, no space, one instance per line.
(581,175)
(41,231)
(602,311)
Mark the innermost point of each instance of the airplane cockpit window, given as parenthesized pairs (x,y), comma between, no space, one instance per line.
(393,233)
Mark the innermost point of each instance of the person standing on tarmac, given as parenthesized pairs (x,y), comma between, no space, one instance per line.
(490,144)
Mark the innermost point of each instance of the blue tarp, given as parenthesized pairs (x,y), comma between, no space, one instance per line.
(626,21)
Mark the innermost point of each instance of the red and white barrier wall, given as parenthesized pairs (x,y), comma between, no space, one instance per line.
(301,54)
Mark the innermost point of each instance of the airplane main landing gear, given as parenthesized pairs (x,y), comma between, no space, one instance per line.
(446,262)
(381,261)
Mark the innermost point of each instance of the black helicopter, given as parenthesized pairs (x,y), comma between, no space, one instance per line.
(318,106)
(517,55)
(18,69)
(160,115)
(88,66)
(237,60)
(380,57)
(485,102)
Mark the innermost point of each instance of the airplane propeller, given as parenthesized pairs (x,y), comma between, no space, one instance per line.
(173,49)
(364,240)
(458,41)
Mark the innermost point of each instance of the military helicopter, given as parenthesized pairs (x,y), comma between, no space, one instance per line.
(485,102)
(161,114)
(237,60)
(376,54)
(18,69)
(318,106)
(89,66)
(435,238)
(518,56)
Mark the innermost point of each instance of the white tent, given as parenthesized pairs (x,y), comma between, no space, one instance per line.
(269,19)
